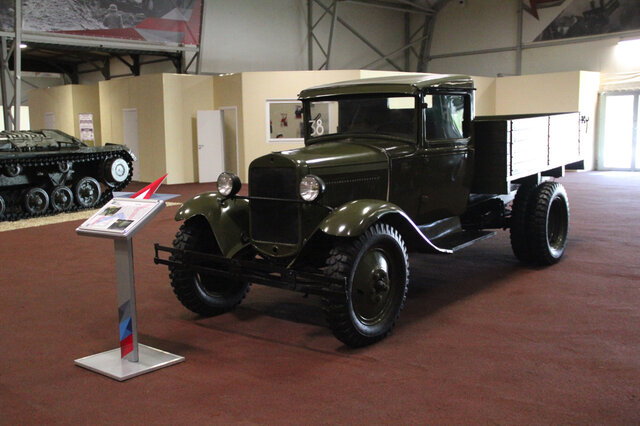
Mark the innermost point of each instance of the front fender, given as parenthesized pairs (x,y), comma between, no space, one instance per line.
(353,218)
(228,218)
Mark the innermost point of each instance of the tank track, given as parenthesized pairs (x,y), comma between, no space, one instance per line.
(13,196)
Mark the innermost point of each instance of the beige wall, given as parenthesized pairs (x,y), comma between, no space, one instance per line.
(66,102)
(485,96)
(228,97)
(86,100)
(184,95)
(554,92)
(145,94)
(167,105)
(59,101)
(257,88)
(539,93)
(588,105)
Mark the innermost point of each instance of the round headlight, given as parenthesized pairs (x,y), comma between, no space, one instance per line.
(311,187)
(228,184)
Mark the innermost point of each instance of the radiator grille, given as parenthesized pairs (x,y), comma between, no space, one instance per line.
(274,221)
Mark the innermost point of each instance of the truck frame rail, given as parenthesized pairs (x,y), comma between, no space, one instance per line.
(258,271)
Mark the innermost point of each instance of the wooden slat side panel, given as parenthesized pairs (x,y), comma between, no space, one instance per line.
(564,138)
(509,148)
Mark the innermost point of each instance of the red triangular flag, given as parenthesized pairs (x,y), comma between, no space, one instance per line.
(149,190)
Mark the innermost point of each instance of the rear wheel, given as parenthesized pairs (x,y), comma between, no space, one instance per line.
(549,223)
(376,268)
(201,293)
(520,223)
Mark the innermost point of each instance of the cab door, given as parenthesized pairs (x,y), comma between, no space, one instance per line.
(447,155)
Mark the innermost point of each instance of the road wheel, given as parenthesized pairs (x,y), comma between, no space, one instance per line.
(376,268)
(520,219)
(61,198)
(36,201)
(201,293)
(12,170)
(549,224)
(87,191)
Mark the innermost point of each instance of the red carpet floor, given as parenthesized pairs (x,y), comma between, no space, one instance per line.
(482,338)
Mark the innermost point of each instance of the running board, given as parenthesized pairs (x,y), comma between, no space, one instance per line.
(457,240)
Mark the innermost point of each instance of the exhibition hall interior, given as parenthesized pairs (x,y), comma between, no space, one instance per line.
(320,212)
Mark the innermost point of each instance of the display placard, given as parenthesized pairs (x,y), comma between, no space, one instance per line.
(120,218)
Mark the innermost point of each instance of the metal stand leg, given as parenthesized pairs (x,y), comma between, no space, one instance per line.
(126,300)
(131,359)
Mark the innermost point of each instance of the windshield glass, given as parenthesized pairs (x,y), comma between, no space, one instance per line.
(390,115)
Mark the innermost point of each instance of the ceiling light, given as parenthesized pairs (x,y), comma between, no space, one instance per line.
(23,45)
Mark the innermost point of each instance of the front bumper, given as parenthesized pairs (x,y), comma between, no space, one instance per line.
(258,271)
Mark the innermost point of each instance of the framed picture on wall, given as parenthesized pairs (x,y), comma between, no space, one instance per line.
(284,121)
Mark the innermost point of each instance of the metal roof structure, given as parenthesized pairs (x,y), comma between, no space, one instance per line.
(52,52)
(417,42)
(72,55)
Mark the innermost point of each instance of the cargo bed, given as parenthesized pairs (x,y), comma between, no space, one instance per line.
(509,148)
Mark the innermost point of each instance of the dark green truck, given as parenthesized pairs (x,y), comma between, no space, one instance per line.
(390,166)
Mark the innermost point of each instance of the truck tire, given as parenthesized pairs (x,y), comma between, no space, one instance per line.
(376,268)
(520,221)
(203,294)
(549,223)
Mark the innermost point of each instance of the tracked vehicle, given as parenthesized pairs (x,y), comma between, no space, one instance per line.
(390,166)
(47,171)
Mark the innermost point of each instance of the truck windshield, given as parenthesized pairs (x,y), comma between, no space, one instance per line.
(389,115)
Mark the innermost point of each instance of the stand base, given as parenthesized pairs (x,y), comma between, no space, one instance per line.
(110,364)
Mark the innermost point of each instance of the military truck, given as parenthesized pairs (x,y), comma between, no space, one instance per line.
(390,166)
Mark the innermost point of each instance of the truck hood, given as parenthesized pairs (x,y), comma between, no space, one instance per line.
(344,152)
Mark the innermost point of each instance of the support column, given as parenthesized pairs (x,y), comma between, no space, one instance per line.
(17,66)
(519,42)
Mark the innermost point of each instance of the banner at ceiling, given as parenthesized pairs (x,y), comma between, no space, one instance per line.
(580,18)
(157,21)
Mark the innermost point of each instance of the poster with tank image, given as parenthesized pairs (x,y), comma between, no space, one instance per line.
(580,18)
(158,21)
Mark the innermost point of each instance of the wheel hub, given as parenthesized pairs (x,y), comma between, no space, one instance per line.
(372,286)
(119,170)
(380,284)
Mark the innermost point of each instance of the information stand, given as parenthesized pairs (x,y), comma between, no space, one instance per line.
(120,220)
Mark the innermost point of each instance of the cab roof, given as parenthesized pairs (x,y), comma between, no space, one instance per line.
(402,84)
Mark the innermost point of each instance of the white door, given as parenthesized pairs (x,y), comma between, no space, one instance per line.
(210,145)
(130,137)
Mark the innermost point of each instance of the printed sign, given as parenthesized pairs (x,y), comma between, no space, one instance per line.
(120,217)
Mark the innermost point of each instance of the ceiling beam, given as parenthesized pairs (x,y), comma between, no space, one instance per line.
(398,5)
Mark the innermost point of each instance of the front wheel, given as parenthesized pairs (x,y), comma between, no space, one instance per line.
(203,294)
(376,268)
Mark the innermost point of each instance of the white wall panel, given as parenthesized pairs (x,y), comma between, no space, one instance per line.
(476,25)
(253,35)
(270,35)
(485,65)
(490,24)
